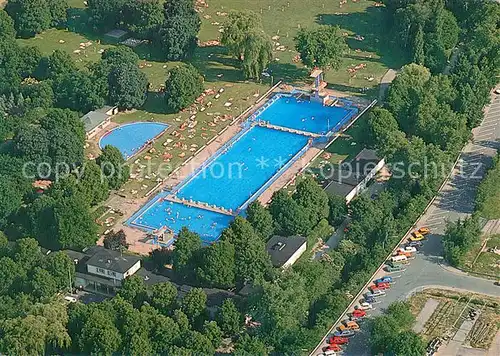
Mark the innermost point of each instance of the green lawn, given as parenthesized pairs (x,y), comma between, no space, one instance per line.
(490,188)
(280,18)
(488,263)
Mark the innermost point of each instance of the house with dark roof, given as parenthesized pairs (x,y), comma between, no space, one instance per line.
(101,270)
(285,251)
(94,121)
(349,179)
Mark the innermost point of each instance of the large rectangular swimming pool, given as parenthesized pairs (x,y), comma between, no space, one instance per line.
(240,171)
(305,115)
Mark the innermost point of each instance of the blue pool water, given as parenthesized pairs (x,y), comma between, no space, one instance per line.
(130,138)
(306,115)
(208,224)
(234,176)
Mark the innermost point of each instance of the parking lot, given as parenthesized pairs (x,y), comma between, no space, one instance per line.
(455,200)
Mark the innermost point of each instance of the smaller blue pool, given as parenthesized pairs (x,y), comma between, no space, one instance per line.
(306,115)
(208,224)
(131,138)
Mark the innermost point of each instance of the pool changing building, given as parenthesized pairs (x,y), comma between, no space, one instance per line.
(352,178)
(285,251)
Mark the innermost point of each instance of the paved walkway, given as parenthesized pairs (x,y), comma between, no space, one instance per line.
(425,314)
(385,82)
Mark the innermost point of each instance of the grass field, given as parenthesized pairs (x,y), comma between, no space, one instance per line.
(487,263)
(281,18)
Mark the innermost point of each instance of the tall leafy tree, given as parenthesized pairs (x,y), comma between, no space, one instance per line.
(113,167)
(177,34)
(143,17)
(261,219)
(76,91)
(229,318)
(164,297)
(127,87)
(187,246)
(6,25)
(58,12)
(105,14)
(184,84)
(30,16)
(321,47)
(236,30)
(218,266)
(257,53)
(194,303)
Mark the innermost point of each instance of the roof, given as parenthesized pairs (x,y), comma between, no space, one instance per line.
(282,248)
(368,154)
(112,260)
(93,119)
(337,188)
(315,73)
(116,33)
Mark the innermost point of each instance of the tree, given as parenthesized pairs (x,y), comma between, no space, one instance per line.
(6,25)
(163,333)
(257,53)
(42,285)
(134,290)
(177,34)
(459,238)
(218,266)
(24,336)
(319,276)
(113,167)
(10,272)
(248,346)
(127,87)
(62,268)
(312,199)
(164,297)
(251,258)
(261,219)
(321,47)
(288,216)
(338,210)
(77,91)
(194,303)
(200,344)
(408,343)
(237,28)
(98,334)
(212,331)
(384,132)
(66,137)
(92,184)
(9,70)
(229,318)
(184,84)
(74,223)
(105,15)
(58,65)
(186,246)
(10,199)
(27,253)
(30,16)
(58,12)
(116,240)
(143,18)
(404,95)
(418,47)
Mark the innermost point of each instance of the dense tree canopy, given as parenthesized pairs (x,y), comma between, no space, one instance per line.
(127,86)
(184,84)
(322,47)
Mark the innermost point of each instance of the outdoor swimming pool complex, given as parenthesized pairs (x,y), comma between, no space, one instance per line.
(241,170)
(131,138)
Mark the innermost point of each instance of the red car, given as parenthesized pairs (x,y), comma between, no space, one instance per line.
(358,313)
(339,340)
(332,347)
(383,285)
(374,288)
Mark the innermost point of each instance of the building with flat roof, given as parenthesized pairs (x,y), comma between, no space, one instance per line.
(285,251)
(96,120)
(349,179)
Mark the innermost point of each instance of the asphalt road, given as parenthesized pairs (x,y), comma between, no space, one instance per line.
(455,200)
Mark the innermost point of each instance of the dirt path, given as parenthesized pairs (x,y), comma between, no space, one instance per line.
(425,314)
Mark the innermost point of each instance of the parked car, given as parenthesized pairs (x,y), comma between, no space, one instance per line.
(378,292)
(383,285)
(345,333)
(357,319)
(369,299)
(385,279)
(329,353)
(338,340)
(415,244)
(349,325)
(404,253)
(332,347)
(397,260)
(409,249)
(395,268)
(358,313)
(364,306)
(424,230)
(416,236)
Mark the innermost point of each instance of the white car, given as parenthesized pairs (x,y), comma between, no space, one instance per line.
(410,249)
(377,292)
(70,299)
(497,91)
(364,306)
